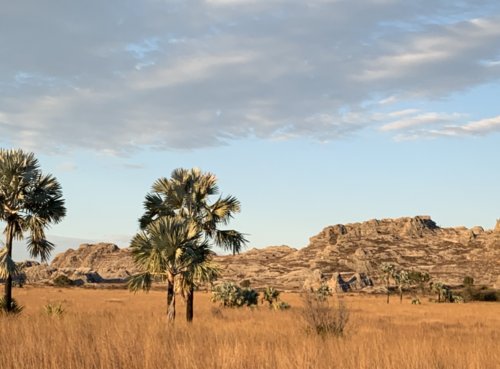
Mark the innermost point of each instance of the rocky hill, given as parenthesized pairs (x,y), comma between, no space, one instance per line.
(448,254)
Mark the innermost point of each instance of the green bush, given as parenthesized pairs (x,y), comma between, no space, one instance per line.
(229,294)
(270,295)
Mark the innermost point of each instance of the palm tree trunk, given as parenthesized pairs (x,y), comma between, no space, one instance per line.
(171,310)
(170,293)
(400,295)
(8,281)
(190,303)
(171,296)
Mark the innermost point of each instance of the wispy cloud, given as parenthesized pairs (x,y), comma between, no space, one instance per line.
(445,125)
(420,120)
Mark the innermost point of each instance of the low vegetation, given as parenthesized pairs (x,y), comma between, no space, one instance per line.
(96,332)
(231,295)
(323,315)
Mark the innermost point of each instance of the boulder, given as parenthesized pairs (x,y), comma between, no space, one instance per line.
(313,281)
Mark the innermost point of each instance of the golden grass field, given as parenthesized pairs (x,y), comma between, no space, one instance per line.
(111,329)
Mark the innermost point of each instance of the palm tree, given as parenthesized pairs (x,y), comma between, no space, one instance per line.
(402,279)
(387,271)
(167,249)
(29,202)
(187,194)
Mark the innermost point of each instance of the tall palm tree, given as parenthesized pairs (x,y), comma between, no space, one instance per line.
(188,194)
(29,202)
(167,249)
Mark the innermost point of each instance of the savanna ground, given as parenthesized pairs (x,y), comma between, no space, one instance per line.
(111,329)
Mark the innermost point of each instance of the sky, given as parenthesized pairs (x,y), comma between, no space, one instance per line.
(310,112)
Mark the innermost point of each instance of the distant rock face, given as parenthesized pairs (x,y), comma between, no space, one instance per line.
(448,254)
(351,251)
(109,261)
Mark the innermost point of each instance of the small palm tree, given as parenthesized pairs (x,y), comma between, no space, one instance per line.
(187,194)
(387,271)
(402,279)
(271,296)
(29,202)
(167,250)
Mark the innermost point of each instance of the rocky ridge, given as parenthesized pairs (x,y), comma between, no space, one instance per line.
(448,254)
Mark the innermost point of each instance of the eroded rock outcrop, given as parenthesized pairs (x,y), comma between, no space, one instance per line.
(448,254)
(110,262)
(350,250)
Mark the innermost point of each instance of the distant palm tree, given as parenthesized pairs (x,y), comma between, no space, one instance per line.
(387,271)
(187,195)
(168,249)
(29,202)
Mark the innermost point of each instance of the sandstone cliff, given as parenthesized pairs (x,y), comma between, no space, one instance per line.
(448,254)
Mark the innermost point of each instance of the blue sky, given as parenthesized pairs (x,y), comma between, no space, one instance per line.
(311,112)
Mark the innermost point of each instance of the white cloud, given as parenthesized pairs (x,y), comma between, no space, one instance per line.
(117,76)
(442,129)
(419,120)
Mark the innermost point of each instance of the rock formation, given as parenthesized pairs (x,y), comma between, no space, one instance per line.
(448,254)
(343,255)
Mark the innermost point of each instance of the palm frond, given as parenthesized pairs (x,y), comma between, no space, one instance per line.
(44,199)
(7,266)
(39,247)
(141,281)
(155,208)
(230,240)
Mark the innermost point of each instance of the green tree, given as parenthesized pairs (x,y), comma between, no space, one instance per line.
(29,202)
(188,194)
(165,250)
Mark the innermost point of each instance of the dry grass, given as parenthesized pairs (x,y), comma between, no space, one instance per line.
(111,329)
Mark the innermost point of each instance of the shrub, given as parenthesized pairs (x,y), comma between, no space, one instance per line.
(468,280)
(15,308)
(470,293)
(62,281)
(53,309)
(270,296)
(323,292)
(19,280)
(229,294)
(323,317)
(486,295)
(280,305)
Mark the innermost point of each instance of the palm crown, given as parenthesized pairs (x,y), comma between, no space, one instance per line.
(187,195)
